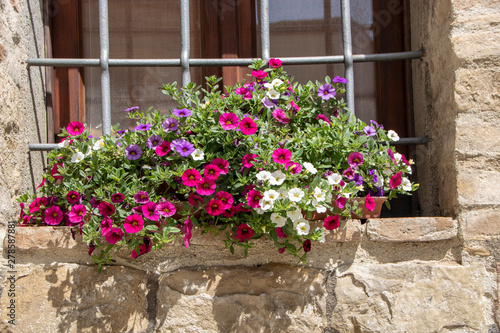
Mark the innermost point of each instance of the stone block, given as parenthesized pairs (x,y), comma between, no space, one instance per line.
(418,229)
(269,298)
(73,298)
(409,297)
(479,45)
(480,224)
(476,187)
(478,136)
(477,89)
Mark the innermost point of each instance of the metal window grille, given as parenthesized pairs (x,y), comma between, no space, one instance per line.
(185,62)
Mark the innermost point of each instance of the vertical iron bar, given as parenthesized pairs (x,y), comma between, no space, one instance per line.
(348,62)
(264,30)
(104,61)
(185,42)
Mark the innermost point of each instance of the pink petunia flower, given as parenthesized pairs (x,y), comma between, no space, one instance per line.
(259,75)
(54,171)
(248,126)
(275,63)
(324,118)
(307,245)
(244,232)
(73,197)
(106,209)
(355,159)
(253,198)
(114,235)
(163,149)
(248,159)
(53,215)
(133,224)
(150,211)
(166,208)
(191,177)
(332,222)
(294,106)
(145,247)
(106,225)
(215,207)
(222,164)
(141,197)
(395,181)
(340,201)
(349,173)
(75,128)
(117,198)
(229,121)
(280,232)
(77,214)
(212,172)
(188,226)
(282,156)
(195,200)
(247,94)
(280,116)
(369,203)
(37,203)
(294,168)
(205,186)
(226,198)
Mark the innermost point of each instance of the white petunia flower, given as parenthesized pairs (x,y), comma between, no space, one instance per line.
(266,204)
(283,193)
(295,194)
(98,144)
(63,144)
(397,157)
(271,195)
(334,179)
(408,168)
(319,208)
(406,184)
(273,94)
(322,236)
(294,215)
(319,194)
(264,175)
(274,84)
(278,177)
(259,211)
(77,157)
(198,155)
(309,167)
(303,227)
(393,135)
(279,220)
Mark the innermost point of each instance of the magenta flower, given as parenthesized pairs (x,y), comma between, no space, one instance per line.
(243,91)
(181,112)
(259,75)
(143,127)
(280,232)
(282,156)
(133,224)
(163,149)
(106,225)
(166,208)
(275,63)
(253,198)
(395,181)
(114,235)
(55,171)
(294,106)
(355,159)
(170,124)
(145,247)
(280,116)
(53,215)
(35,205)
(226,199)
(339,79)
(212,172)
(215,207)
(94,202)
(106,209)
(184,148)
(248,126)
(195,200)
(244,232)
(191,177)
(349,173)
(222,164)
(205,186)
(134,108)
(324,118)
(248,159)
(294,168)
(77,214)
(188,226)
(133,152)
(326,92)
(150,212)
(307,245)
(141,197)
(73,197)
(229,121)
(75,128)
(117,198)
(340,201)
(369,203)
(154,141)
(332,222)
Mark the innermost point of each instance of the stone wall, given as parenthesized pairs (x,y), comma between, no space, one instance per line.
(388,275)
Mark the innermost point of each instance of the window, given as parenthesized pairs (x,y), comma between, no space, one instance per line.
(187,40)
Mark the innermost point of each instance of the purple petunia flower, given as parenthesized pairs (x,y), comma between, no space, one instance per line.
(326,92)
(154,141)
(370,131)
(378,192)
(170,124)
(339,79)
(134,108)
(133,152)
(185,148)
(358,179)
(374,123)
(181,112)
(143,127)
(267,103)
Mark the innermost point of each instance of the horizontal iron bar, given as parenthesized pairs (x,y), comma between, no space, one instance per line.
(402,141)
(221,62)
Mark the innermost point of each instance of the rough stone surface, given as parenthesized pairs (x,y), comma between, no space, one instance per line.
(481,223)
(421,229)
(75,298)
(269,298)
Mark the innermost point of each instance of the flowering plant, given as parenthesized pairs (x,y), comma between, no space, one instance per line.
(252,162)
